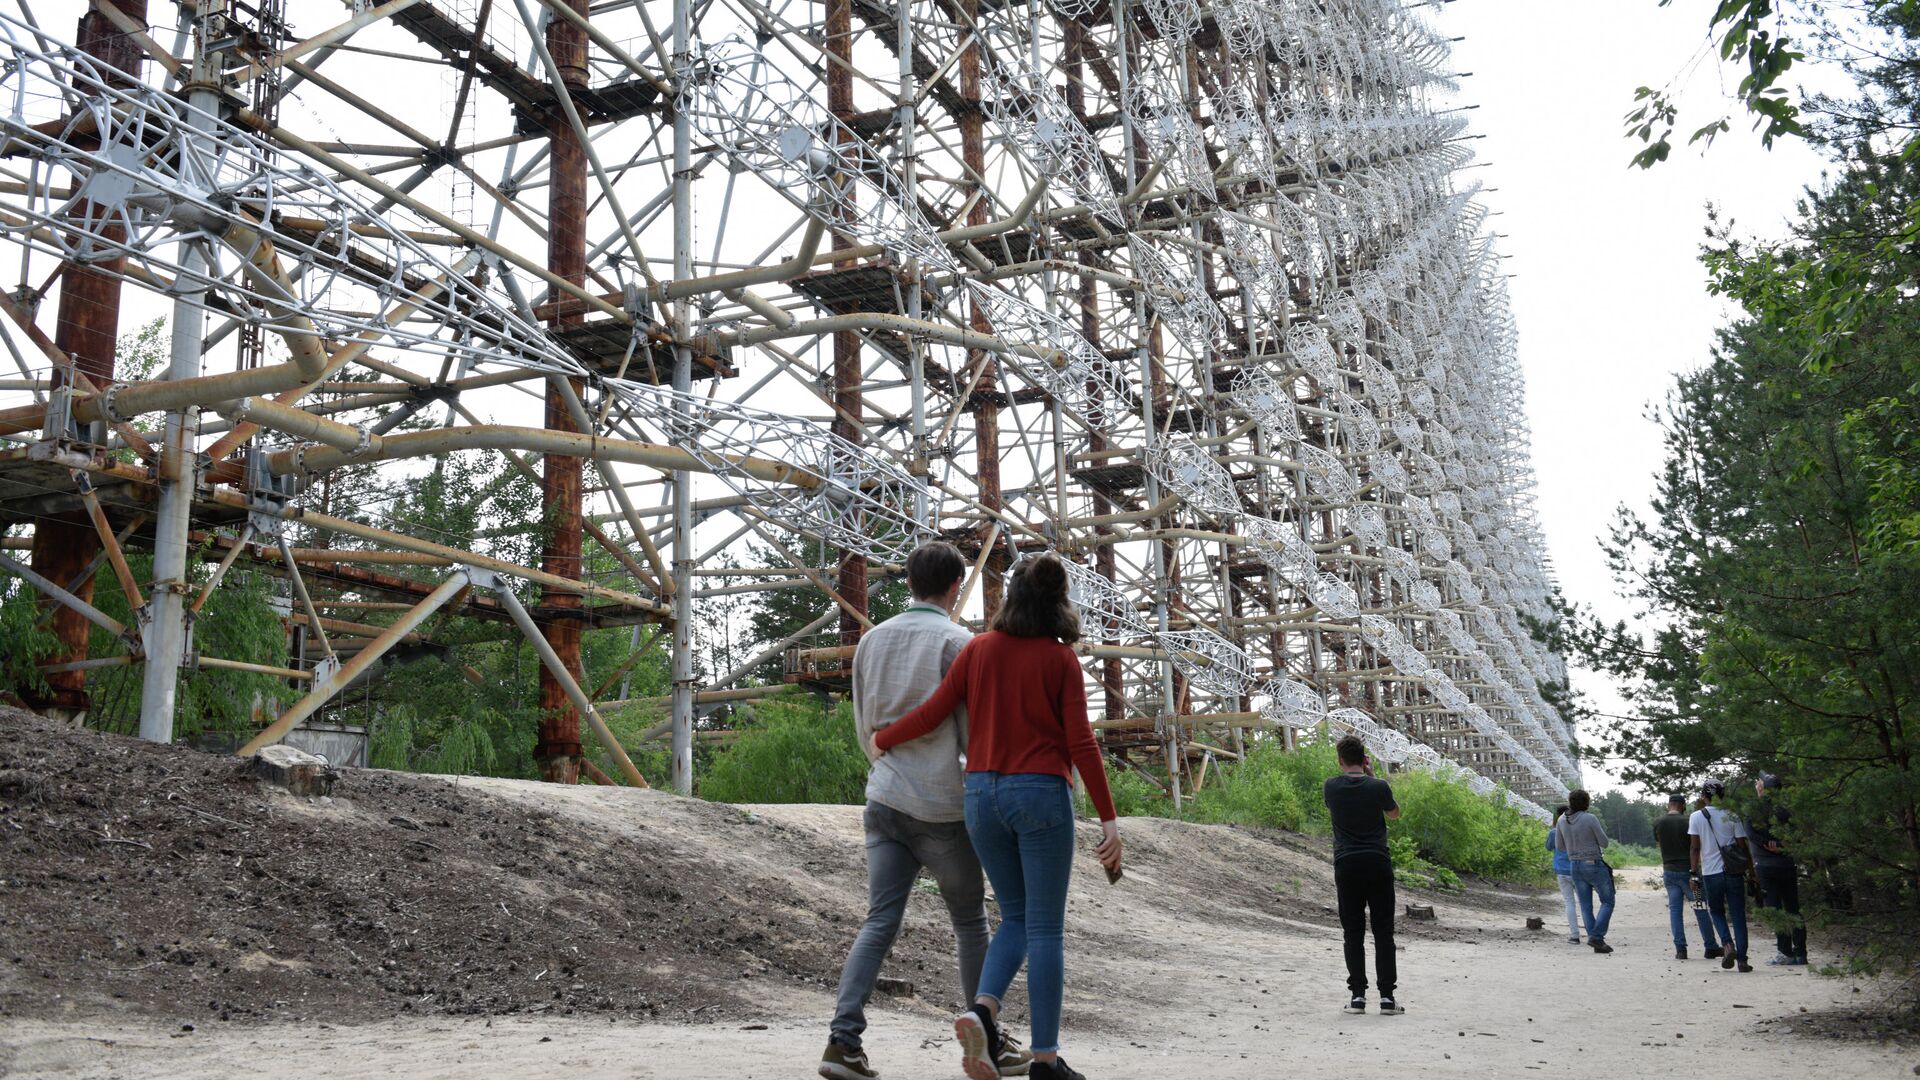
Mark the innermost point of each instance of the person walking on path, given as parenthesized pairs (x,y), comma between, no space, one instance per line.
(1361,804)
(1676,869)
(1563,869)
(1027,730)
(1720,859)
(1777,873)
(1585,841)
(915,815)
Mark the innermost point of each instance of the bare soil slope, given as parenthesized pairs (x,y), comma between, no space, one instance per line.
(161,914)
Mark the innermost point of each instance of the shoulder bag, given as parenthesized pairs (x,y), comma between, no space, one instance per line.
(1733,858)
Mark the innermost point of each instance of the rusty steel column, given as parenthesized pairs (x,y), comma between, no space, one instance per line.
(1073,65)
(86,328)
(847,400)
(985,403)
(558,750)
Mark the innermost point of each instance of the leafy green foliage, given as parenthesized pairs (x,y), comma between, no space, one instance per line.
(790,750)
(1767,53)
(1775,572)
(23,642)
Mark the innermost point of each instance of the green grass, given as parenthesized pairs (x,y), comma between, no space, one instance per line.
(1633,855)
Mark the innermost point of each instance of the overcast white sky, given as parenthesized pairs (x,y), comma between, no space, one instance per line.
(1609,295)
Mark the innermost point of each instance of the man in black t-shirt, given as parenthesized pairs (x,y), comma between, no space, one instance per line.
(1676,861)
(1361,803)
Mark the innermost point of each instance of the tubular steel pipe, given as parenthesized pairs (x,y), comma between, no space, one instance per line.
(558,670)
(364,660)
(537,440)
(92,614)
(85,329)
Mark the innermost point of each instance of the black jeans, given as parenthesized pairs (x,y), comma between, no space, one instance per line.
(1780,888)
(1365,886)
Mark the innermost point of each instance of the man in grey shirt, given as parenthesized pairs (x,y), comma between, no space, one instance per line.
(1584,840)
(916,796)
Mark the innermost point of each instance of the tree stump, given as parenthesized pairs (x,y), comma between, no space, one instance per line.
(1421,912)
(296,770)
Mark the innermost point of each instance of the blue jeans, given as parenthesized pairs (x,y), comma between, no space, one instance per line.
(1590,877)
(1727,900)
(1022,829)
(1679,895)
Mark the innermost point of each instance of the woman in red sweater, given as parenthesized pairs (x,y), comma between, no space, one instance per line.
(1026,702)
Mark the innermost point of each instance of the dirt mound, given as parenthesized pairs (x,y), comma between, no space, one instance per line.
(168,882)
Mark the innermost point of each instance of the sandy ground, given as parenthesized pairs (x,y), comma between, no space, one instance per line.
(1242,1000)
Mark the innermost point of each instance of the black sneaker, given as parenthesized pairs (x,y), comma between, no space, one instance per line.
(1745,967)
(1727,961)
(840,1063)
(979,1043)
(1679,954)
(1357,1005)
(1057,1069)
(1599,945)
(1390,1007)
(1012,1059)
(1714,953)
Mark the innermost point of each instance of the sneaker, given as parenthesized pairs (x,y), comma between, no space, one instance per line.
(840,1063)
(1012,1059)
(1679,954)
(1390,1007)
(1782,960)
(1057,1069)
(1599,945)
(1357,1005)
(1799,961)
(1573,939)
(979,1043)
(1745,967)
(1727,960)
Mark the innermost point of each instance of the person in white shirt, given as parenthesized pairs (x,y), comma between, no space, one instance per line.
(1721,862)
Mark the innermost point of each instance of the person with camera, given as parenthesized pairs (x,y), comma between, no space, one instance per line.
(1676,863)
(1776,873)
(1721,860)
(1361,804)
(1585,841)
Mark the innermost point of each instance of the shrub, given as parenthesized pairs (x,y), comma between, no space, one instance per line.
(790,751)
(1444,830)
(1453,827)
(1272,787)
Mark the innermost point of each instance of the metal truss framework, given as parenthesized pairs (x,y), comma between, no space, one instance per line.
(1191,295)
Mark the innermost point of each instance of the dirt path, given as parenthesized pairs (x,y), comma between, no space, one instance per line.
(1241,1002)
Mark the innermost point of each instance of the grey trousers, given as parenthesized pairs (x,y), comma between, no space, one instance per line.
(897,847)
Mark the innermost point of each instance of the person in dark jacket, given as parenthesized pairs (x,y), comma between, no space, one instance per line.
(1776,872)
